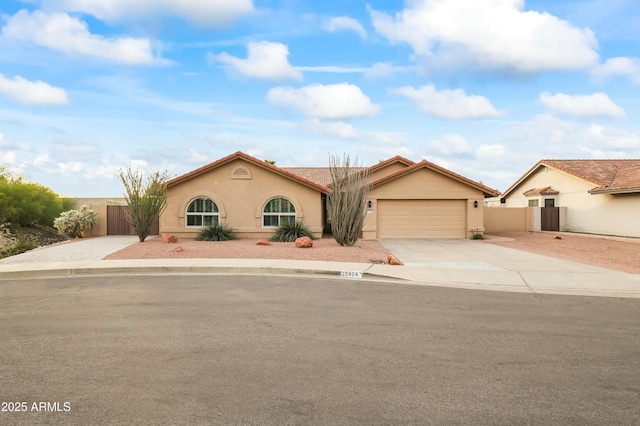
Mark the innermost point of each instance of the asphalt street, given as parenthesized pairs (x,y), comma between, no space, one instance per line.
(298,350)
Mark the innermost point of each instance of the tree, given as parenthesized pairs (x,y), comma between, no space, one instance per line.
(146,195)
(71,223)
(27,203)
(347,203)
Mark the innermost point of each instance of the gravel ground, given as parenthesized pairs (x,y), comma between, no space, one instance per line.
(608,253)
(598,251)
(325,249)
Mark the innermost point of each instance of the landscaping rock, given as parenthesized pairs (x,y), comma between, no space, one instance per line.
(263,242)
(168,238)
(392,260)
(178,249)
(304,242)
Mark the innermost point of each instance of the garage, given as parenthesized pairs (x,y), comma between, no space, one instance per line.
(421,218)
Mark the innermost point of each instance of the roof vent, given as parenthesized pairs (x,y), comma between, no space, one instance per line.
(240,173)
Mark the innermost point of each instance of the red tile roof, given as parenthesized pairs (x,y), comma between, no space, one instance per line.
(250,159)
(606,175)
(489,192)
(547,190)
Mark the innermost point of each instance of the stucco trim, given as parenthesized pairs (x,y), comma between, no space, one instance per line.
(222,212)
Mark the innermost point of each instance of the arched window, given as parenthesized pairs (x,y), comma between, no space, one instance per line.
(278,211)
(202,212)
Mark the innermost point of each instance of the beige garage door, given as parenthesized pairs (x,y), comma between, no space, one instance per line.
(421,218)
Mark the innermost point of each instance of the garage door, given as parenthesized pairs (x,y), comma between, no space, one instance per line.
(421,218)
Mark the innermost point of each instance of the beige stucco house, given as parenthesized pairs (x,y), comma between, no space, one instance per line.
(407,199)
(595,196)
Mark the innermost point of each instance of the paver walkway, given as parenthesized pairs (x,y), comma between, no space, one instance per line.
(86,249)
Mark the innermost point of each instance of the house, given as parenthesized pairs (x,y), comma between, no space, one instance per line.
(407,199)
(595,196)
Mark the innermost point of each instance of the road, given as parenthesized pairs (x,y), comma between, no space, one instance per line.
(299,350)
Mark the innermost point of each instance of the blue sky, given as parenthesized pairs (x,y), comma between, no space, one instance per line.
(485,88)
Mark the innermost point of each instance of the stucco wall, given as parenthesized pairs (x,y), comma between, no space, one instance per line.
(99,205)
(426,184)
(241,201)
(508,219)
(594,214)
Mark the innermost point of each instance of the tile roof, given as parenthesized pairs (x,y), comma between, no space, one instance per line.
(606,175)
(547,190)
(253,160)
(426,164)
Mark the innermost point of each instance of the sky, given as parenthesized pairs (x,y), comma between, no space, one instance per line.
(485,88)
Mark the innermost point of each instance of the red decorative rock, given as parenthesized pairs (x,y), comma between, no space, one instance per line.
(304,242)
(178,249)
(263,242)
(168,238)
(392,260)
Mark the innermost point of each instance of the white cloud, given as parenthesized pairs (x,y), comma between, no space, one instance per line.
(494,34)
(384,69)
(449,104)
(333,101)
(490,151)
(61,32)
(32,92)
(344,23)
(265,60)
(197,157)
(452,144)
(586,106)
(201,12)
(619,66)
(9,157)
(331,128)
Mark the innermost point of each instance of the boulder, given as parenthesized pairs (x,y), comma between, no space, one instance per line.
(304,242)
(168,238)
(263,242)
(392,260)
(178,249)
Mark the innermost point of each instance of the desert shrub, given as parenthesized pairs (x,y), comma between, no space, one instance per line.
(218,232)
(71,223)
(290,231)
(21,244)
(146,195)
(347,203)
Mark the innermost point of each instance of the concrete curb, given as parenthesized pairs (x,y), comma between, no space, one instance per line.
(608,284)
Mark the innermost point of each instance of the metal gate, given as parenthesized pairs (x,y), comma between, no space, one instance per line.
(117,223)
(550,218)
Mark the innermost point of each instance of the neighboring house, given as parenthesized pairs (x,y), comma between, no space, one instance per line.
(596,196)
(407,199)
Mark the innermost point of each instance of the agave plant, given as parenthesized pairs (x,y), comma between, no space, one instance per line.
(290,231)
(217,232)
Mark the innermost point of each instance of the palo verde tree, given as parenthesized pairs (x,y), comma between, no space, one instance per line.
(347,203)
(146,195)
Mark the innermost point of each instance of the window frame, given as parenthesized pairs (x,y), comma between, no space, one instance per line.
(214,214)
(278,214)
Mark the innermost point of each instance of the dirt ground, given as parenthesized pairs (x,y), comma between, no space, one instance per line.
(325,249)
(598,251)
(607,253)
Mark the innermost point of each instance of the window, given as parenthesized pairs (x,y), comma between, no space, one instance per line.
(533,203)
(202,212)
(278,211)
(549,202)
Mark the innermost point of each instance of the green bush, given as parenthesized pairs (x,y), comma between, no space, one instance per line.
(20,245)
(218,232)
(73,222)
(26,203)
(291,231)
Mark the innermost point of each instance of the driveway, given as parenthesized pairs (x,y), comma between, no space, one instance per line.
(476,255)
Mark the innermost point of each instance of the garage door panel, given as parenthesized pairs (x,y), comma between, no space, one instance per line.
(421,218)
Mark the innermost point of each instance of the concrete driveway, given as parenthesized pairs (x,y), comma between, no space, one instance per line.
(476,255)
